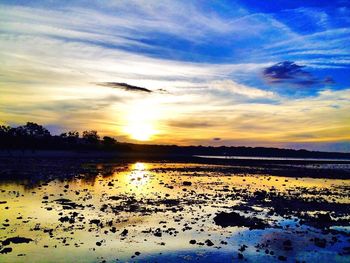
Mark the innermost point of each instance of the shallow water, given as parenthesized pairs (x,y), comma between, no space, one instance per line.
(272,158)
(117,210)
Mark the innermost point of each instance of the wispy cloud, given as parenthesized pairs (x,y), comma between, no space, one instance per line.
(241,90)
(196,58)
(190,124)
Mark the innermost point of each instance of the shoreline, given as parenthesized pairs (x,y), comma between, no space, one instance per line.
(288,168)
(137,154)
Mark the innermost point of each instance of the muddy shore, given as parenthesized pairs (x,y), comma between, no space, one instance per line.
(135,209)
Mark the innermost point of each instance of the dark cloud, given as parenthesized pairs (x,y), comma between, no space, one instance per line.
(124,86)
(189,124)
(162,91)
(284,71)
(217,139)
(303,136)
(329,80)
(292,73)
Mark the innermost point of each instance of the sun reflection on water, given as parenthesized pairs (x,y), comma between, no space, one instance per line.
(139,175)
(137,197)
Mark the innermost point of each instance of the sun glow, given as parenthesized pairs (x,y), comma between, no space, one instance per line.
(140,131)
(141,122)
(139,176)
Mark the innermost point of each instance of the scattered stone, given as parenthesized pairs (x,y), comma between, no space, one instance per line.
(320,242)
(16,240)
(224,219)
(6,250)
(124,233)
(282,258)
(209,243)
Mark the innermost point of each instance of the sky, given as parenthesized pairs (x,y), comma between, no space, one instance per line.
(252,73)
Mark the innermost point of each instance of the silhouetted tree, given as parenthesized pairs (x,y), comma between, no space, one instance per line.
(73,134)
(4,130)
(91,136)
(32,129)
(5,136)
(70,138)
(109,142)
(34,136)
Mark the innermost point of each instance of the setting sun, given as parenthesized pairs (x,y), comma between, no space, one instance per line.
(141,122)
(140,131)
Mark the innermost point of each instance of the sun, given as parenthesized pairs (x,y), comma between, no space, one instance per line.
(140,131)
(141,121)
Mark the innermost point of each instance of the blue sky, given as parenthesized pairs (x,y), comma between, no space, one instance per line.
(230,56)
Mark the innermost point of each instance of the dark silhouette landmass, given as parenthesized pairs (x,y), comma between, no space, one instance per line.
(35,137)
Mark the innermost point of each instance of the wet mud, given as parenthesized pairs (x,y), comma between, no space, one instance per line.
(169,212)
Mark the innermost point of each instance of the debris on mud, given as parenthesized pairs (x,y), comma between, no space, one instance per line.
(224,219)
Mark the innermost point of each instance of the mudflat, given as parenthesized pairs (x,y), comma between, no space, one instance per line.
(99,210)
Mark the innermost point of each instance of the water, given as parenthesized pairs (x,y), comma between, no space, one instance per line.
(272,158)
(111,211)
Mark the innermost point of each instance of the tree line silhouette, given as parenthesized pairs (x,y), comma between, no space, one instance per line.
(36,137)
(33,136)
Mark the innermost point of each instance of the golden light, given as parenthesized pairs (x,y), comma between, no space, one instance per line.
(141,121)
(139,166)
(138,176)
(140,131)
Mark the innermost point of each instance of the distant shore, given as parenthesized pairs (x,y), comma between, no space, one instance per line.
(332,169)
(167,156)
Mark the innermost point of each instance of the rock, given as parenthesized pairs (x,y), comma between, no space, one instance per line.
(124,233)
(287,245)
(95,221)
(209,243)
(242,248)
(64,219)
(282,258)
(224,219)
(115,198)
(320,242)
(16,240)
(6,250)
(158,234)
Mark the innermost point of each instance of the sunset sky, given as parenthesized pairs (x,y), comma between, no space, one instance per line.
(254,73)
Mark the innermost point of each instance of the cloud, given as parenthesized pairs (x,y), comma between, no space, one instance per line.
(291,73)
(321,50)
(189,124)
(284,70)
(209,61)
(124,86)
(233,87)
(328,80)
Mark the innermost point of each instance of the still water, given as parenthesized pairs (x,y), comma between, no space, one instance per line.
(168,212)
(272,158)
